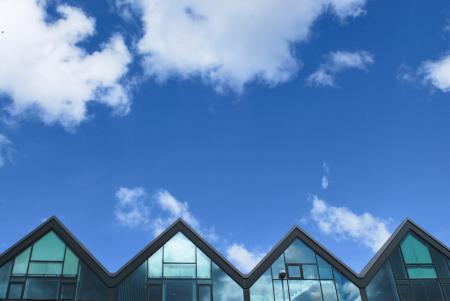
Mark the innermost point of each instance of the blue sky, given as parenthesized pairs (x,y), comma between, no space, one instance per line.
(121,116)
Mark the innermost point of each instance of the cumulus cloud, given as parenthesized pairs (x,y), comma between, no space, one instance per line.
(243,258)
(342,223)
(437,73)
(45,71)
(131,209)
(229,43)
(337,62)
(6,150)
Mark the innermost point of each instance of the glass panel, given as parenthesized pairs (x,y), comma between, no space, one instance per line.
(50,247)
(179,270)
(155,265)
(41,289)
(325,271)
(155,292)
(294,271)
(15,291)
(68,292)
(278,290)
(45,268)
(422,273)
(405,293)
(397,264)
(203,265)
(278,266)
(346,290)
(310,272)
(89,286)
(70,263)
(382,286)
(179,290)
(5,271)
(224,288)
(21,262)
(298,252)
(441,264)
(426,291)
(305,290)
(204,293)
(328,290)
(414,251)
(446,289)
(179,249)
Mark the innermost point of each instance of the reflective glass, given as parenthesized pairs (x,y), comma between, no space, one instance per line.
(441,264)
(278,266)
(310,272)
(280,290)
(414,251)
(70,263)
(68,292)
(155,265)
(405,293)
(179,270)
(261,290)
(382,286)
(298,252)
(15,291)
(347,291)
(179,290)
(45,268)
(155,293)
(179,249)
(41,289)
(422,273)
(50,248)
(203,265)
(225,288)
(304,290)
(426,290)
(89,286)
(21,262)
(204,293)
(294,271)
(328,290)
(5,271)
(398,267)
(446,290)
(325,271)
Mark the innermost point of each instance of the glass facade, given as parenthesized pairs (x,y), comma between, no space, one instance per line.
(300,274)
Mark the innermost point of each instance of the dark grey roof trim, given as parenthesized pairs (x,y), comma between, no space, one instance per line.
(245,281)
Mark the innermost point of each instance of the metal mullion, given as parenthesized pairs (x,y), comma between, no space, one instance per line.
(334,281)
(287,281)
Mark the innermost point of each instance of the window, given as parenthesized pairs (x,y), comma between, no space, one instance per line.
(417,258)
(179,290)
(305,290)
(41,289)
(298,252)
(68,291)
(294,271)
(15,291)
(310,271)
(382,286)
(204,293)
(155,292)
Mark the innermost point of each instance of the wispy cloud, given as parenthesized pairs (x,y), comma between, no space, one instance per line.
(325,181)
(342,223)
(243,258)
(131,209)
(336,62)
(6,150)
(437,73)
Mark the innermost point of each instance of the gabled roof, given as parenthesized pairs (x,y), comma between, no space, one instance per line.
(245,281)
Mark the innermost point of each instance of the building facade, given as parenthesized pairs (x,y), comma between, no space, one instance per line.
(51,264)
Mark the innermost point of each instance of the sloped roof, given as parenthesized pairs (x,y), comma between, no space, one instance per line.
(245,281)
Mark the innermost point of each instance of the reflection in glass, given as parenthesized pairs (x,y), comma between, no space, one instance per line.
(15,291)
(382,286)
(421,273)
(68,292)
(179,249)
(310,271)
(70,263)
(179,270)
(5,270)
(305,290)
(49,247)
(426,290)
(294,271)
(325,271)
(41,289)
(155,265)
(179,290)
(204,293)
(328,290)
(225,288)
(45,268)
(298,252)
(278,266)
(203,265)
(346,290)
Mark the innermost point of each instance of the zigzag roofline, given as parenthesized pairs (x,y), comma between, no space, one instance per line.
(245,281)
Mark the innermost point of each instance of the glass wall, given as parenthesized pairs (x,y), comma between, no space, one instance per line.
(179,271)
(300,274)
(47,270)
(414,272)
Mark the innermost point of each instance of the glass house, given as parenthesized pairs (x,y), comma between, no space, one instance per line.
(51,264)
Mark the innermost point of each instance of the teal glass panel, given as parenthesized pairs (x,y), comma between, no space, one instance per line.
(179,290)
(414,251)
(441,264)
(277,267)
(328,290)
(45,268)
(68,292)
(15,291)
(41,289)
(294,271)
(203,265)
(179,249)
(305,290)
(382,286)
(225,288)
(325,271)
(5,271)
(310,272)
(49,248)
(155,265)
(179,270)
(426,291)
(204,293)
(298,252)
(446,290)
(21,263)
(421,273)
(70,263)
(346,290)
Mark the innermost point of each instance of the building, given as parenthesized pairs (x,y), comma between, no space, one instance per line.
(51,264)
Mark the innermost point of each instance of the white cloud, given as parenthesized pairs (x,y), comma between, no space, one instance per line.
(342,223)
(229,43)
(242,258)
(44,70)
(437,73)
(339,61)
(6,150)
(325,182)
(131,210)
